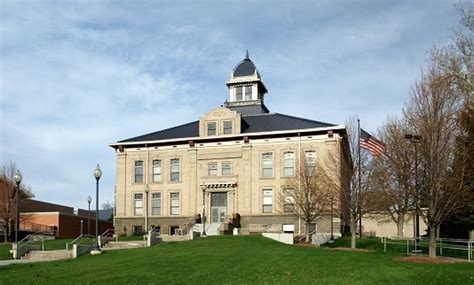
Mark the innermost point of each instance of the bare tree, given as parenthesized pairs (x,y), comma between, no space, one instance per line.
(433,113)
(392,186)
(7,197)
(311,192)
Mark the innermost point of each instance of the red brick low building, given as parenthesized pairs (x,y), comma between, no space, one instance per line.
(63,221)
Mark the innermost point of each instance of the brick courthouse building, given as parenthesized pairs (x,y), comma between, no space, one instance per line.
(235,158)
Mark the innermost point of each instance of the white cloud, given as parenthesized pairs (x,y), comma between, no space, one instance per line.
(76,76)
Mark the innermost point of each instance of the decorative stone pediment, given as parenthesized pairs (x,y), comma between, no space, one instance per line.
(220,121)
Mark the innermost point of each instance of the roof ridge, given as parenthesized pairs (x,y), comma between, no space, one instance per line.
(304,119)
(163,130)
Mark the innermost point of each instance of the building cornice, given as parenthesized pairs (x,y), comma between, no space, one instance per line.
(283,133)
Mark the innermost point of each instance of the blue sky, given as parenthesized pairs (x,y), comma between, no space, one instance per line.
(78,75)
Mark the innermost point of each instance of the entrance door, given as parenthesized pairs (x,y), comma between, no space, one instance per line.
(218,207)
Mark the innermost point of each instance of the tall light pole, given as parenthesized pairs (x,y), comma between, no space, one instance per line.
(415,139)
(147,189)
(97,175)
(203,188)
(89,200)
(17,179)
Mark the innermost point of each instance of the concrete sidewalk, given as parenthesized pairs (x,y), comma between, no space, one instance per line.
(16,261)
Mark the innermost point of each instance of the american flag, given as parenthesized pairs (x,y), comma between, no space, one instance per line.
(370,143)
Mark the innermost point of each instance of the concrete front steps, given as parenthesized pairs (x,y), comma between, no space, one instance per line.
(48,255)
(171,238)
(112,245)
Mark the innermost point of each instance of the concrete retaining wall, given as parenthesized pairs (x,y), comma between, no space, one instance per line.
(80,249)
(283,238)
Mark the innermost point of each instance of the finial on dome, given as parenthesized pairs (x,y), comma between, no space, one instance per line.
(247,54)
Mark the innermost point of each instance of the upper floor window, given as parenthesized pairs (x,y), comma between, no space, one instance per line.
(248,92)
(238,93)
(226,168)
(138,204)
(212,169)
(289,200)
(288,164)
(267,201)
(139,171)
(227,127)
(156,203)
(174,203)
(267,164)
(310,160)
(174,174)
(156,170)
(211,129)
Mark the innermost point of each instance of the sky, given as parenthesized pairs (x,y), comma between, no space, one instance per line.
(76,76)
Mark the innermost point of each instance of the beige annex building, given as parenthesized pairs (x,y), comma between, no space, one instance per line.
(234,160)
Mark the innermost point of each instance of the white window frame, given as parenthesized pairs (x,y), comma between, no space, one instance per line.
(136,171)
(288,164)
(288,200)
(310,164)
(214,129)
(237,88)
(138,204)
(228,130)
(226,168)
(156,198)
(175,209)
(267,164)
(267,201)
(174,171)
(212,169)
(157,170)
(245,93)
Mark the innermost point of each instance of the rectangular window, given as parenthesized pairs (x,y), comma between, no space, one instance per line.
(226,168)
(289,202)
(227,127)
(138,204)
(156,204)
(238,93)
(267,201)
(139,171)
(174,174)
(212,169)
(267,165)
(156,170)
(211,129)
(288,164)
(310,160)
(248,92)
(174,203)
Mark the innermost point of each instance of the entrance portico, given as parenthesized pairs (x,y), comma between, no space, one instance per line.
(219,201)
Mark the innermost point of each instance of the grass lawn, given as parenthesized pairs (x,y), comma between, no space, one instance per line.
(236,260)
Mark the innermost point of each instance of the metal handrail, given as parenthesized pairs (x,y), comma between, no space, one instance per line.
(25,240)
(107,232)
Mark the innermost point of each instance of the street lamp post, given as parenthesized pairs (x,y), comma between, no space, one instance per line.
(146,207)
(97,175)
(415,139)
(203,188)
(17,179)
(332,222)
(89,200)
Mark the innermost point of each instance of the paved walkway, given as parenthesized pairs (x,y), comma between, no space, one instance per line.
(15,261)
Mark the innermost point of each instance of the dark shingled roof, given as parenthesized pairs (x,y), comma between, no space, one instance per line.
(250,124)
(244,68)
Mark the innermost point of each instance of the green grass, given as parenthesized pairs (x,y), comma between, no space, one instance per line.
(5,251)
(236,260)
(398,246)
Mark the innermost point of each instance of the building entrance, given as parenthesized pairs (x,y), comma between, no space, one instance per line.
(218,207)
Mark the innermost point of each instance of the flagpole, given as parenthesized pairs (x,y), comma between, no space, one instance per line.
(360,189)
